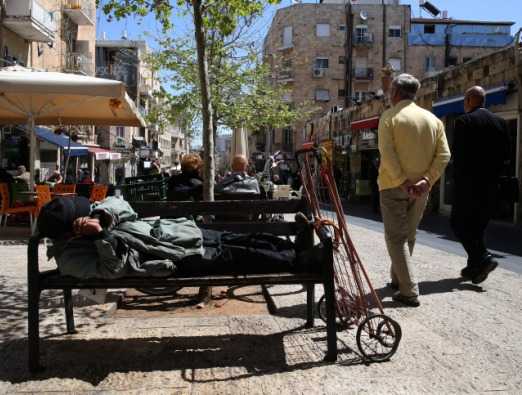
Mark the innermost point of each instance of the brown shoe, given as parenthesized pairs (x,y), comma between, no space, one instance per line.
(411,301)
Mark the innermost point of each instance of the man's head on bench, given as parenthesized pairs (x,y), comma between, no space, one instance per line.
(239,163)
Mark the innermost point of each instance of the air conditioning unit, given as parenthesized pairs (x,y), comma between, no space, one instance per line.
(318,73)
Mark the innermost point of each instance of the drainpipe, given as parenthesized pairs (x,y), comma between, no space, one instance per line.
(348,56)
(383,33)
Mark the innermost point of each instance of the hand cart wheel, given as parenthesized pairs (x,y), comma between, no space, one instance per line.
(159,291)
(378,337)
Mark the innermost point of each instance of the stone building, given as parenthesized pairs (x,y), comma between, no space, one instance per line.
(51,35)
(125,60)
(307,48)
(438,43)
(354,131)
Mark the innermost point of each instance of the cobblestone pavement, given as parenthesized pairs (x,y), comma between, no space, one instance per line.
(463,339)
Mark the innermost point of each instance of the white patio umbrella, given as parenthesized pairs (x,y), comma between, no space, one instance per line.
(49,98)
(239,144)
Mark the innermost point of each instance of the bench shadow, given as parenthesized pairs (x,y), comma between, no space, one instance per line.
(198,359)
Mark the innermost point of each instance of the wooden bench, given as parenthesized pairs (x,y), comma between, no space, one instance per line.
(39,281)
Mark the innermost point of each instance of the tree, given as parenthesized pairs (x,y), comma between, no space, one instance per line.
(209,17)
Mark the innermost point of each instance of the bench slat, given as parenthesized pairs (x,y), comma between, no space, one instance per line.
(275,228)
(54,281)
(237,207)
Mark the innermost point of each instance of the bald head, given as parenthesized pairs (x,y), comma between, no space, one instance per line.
(475,98)
(239,163)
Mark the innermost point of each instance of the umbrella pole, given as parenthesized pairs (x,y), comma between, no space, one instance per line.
(67,160)
(32,151)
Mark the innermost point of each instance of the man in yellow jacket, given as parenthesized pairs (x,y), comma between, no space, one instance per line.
(414,152)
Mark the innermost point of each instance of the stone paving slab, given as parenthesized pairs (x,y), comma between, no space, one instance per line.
(463,339)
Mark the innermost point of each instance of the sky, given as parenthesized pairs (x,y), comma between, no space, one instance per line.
(147,28)
(501,10)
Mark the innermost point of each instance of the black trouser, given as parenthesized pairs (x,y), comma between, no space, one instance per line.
(470,216)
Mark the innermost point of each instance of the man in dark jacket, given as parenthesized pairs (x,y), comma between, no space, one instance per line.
(480,152)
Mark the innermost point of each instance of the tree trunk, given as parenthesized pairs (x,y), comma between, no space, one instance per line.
(208,136)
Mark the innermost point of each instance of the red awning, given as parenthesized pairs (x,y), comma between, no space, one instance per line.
(369,123)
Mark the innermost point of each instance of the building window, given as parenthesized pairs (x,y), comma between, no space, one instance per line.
(322,30)
(120,131)
(359,96)
(429,29)
(342,28)
(341,93)
(342,60)
(287,37)
(395,64)
(321,63)
(361,34)
(287,136)
(429,63)
(322,95)
(394,31)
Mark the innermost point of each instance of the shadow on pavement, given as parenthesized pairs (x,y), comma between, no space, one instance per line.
(447,285)
(227,357)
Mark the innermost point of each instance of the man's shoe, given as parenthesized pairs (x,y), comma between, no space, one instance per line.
(393,286)
(482,273)
(466,273)
(411,301)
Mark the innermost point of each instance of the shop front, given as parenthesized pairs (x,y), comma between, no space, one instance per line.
(364,159)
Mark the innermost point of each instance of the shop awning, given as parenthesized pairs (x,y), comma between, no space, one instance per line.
(104,154)
(455,105)
(369,123)
(61,141)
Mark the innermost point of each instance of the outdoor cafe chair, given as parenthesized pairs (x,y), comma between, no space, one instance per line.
(64,188)
(98,193)
(43,196)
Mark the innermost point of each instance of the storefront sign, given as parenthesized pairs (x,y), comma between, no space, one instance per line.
(368,135)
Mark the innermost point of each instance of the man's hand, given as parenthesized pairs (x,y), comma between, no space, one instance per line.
(420,188)
(87,226)
(406,186)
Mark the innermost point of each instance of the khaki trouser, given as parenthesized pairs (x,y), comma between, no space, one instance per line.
(401,216)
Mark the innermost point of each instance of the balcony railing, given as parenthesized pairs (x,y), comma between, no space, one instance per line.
(363,39)
(30,20)
(79,63)
(80,12)
(363,73)
(285,75)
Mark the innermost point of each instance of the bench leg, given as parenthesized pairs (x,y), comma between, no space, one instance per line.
(34,329)
(310,304)
(69,315)
(331,327)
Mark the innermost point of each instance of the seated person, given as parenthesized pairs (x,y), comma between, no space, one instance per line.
(55,177)
(23,175)
(85,177)
(239,182)
(187,185)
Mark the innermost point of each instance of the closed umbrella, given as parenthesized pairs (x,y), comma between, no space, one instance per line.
(50,98)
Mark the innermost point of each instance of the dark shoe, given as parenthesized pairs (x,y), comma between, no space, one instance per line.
(467,273)
(411,301)
(482,273)
(393,286)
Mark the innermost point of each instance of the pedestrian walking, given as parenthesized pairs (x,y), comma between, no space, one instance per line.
(481,152)
(414,152)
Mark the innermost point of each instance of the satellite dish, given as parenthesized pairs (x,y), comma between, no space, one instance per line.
(364,15)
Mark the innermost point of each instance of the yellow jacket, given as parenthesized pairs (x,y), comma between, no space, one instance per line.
(413,145)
